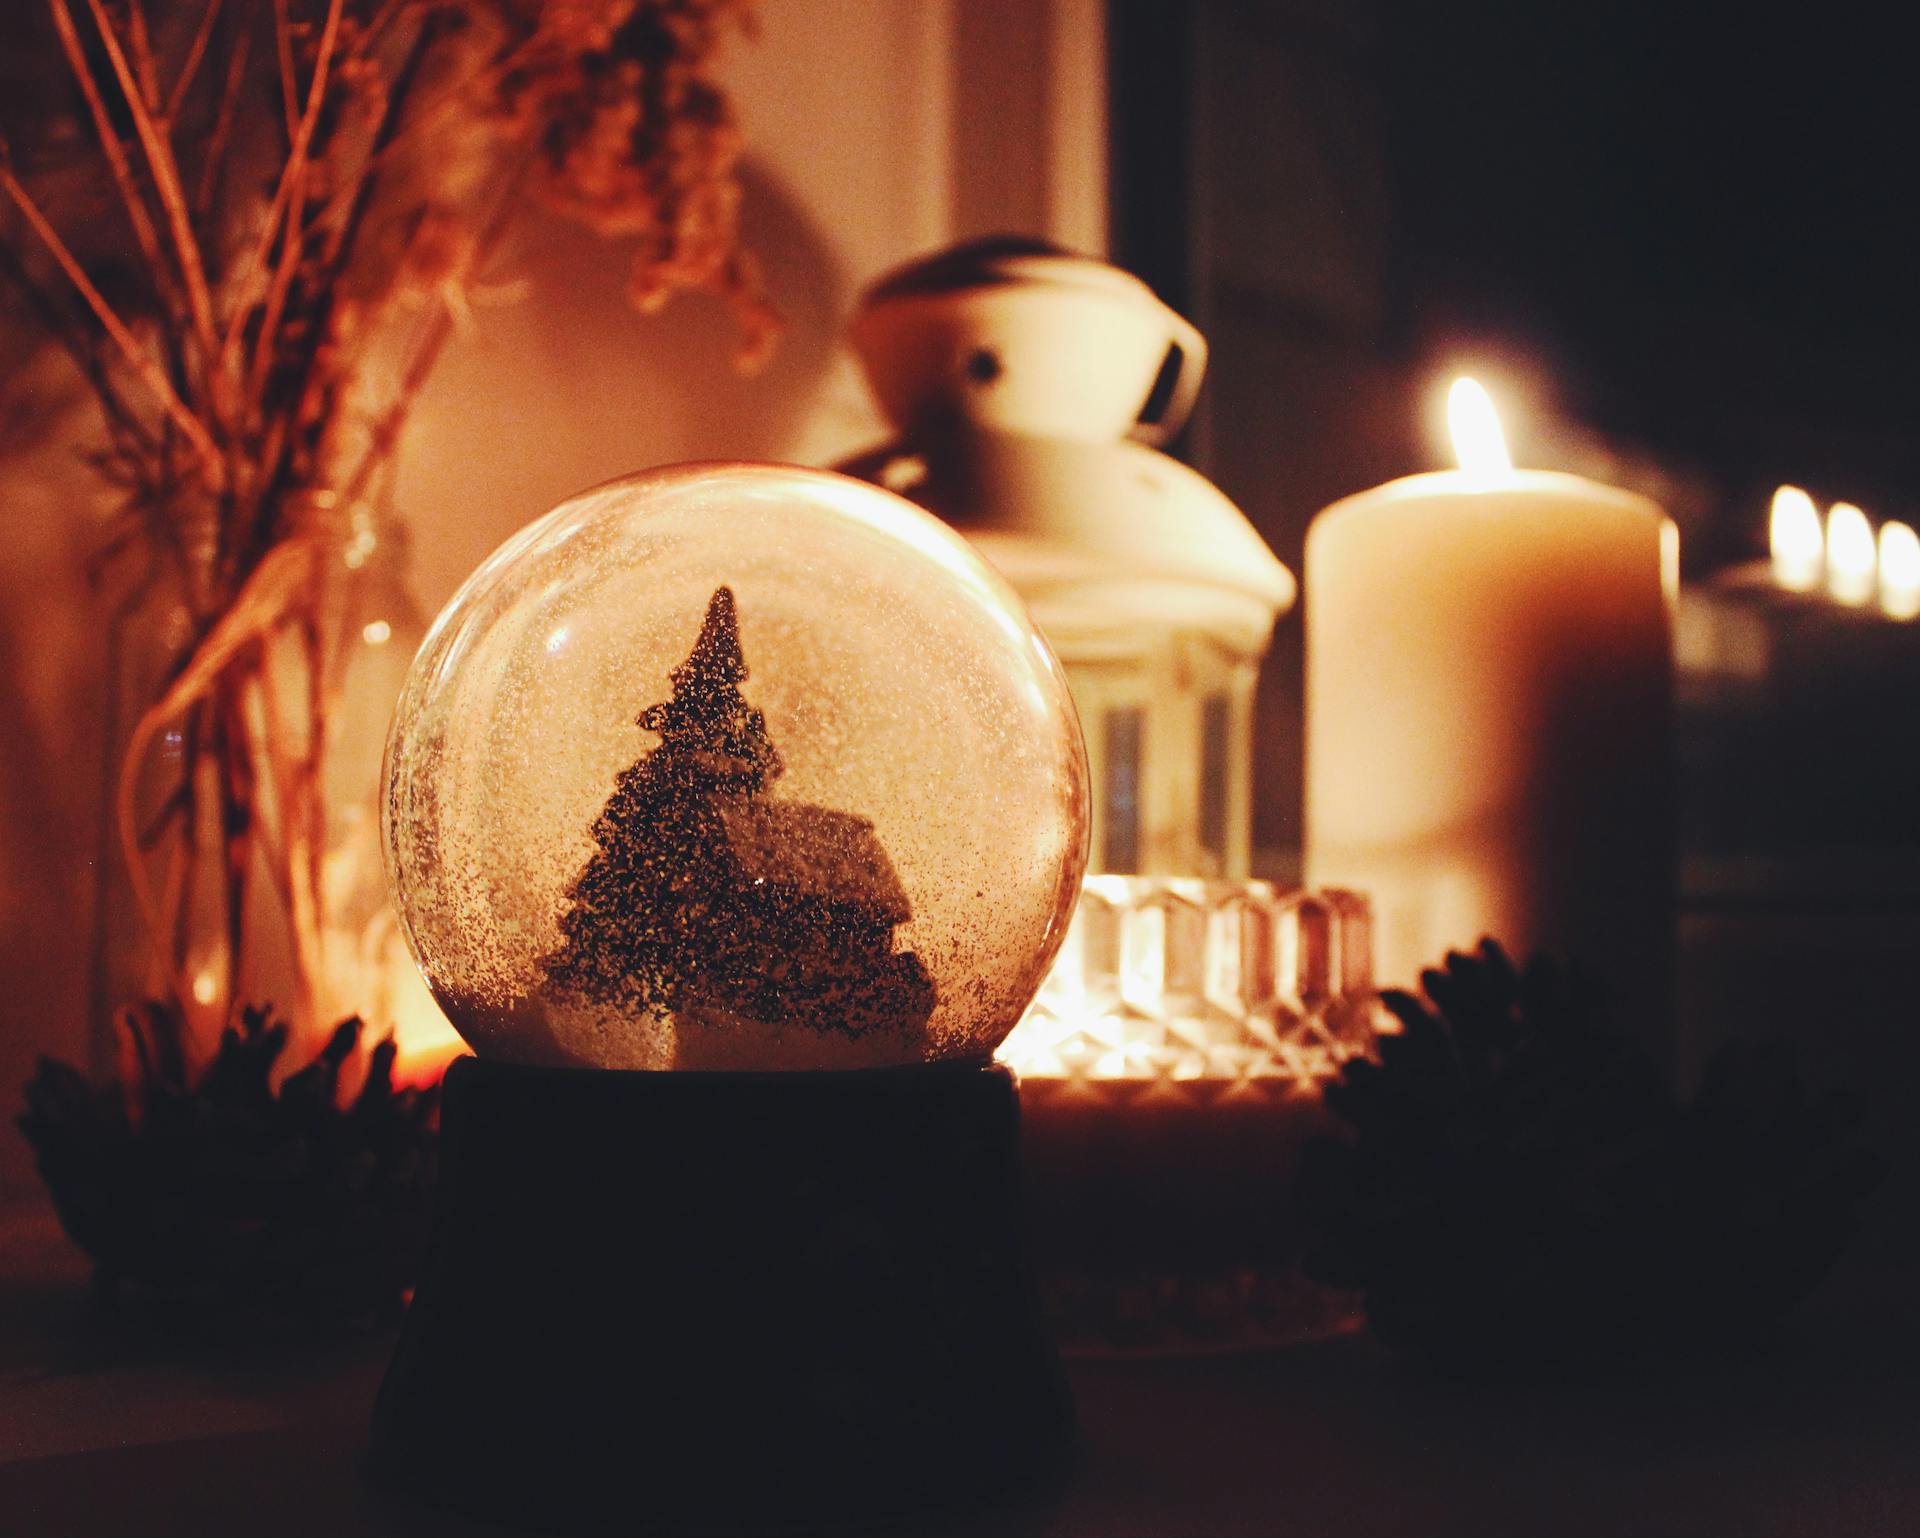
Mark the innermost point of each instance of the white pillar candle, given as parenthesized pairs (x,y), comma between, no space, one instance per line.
(1489,702)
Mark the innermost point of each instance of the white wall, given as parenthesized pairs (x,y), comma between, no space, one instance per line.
(877,130)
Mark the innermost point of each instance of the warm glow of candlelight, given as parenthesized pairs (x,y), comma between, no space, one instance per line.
(1474,425)
(1900,571)
(424,1039)
(1850,554)
(1799,549)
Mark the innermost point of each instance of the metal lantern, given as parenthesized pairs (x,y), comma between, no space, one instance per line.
(1029,388)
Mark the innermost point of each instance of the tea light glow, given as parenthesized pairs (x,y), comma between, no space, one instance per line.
(1850,554)
(1798,546)
(1900,571)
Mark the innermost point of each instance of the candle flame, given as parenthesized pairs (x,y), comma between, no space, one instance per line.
(1478,443)
(1850,554)
(1900,571)
(1799,549)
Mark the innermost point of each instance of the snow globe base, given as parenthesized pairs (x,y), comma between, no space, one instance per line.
(723,1301)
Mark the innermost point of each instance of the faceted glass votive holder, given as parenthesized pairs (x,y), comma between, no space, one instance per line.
(1171,1072)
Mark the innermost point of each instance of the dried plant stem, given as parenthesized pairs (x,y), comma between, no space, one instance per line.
(295,180)
(111,149)
(216,152)
(289,86)
(166,182)
(235,781)
(141,43)
(357,197)
(279,777)
(131,437)
(288,203)
(137,357)
(190,66)
(261,312)
(438,109)
(211,682)
(383,18)
(182,851)
(307,830)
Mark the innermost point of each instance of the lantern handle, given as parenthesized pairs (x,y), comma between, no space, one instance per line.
(1188,348)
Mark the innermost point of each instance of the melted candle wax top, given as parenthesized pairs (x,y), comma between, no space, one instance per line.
(712,902)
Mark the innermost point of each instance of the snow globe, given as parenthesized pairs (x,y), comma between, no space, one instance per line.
(734,814)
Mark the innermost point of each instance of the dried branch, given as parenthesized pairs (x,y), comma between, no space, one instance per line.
(389,12)
(295,179)
(359,196)
(110,146)
(237,818)
(138,359)
(273,590)
(222,131)
(438,110)
(178,803)
(77,344)
(286,192)
(143,61)
(261,356)
(166,181)
(190,66)
(289,85)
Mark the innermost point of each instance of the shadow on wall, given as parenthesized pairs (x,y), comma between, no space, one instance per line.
(567,385)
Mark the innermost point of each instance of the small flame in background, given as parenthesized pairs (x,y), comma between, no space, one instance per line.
(1851,559)
(1478,443)
(1900,571)
(1798,545)
(1842,556)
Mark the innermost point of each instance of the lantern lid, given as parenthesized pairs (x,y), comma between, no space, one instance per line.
(1015,335)
(1005,259)
(1027,386)
(1097,536)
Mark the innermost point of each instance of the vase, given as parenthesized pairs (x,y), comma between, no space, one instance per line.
(255,802)
(367,968)
(148,633)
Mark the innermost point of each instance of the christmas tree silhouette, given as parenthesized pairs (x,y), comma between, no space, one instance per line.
(707,897)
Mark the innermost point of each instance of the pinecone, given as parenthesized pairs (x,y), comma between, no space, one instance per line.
(1521,1193)
(234,1207)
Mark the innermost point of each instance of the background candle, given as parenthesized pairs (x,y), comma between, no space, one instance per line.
(1851,556)
(1489,698)
(1899,561)
(1795,540)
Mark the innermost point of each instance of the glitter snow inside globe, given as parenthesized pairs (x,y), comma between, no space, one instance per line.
(735,767)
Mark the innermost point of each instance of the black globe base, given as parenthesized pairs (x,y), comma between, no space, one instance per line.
(723,1302)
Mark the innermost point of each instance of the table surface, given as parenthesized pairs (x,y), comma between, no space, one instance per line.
(104,1435)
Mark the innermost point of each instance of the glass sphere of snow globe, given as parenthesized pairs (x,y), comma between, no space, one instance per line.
(735,767)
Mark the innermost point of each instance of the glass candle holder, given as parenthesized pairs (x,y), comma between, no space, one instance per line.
(1172,1069)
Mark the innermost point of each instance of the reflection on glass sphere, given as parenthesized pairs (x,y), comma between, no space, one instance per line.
(738,766)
